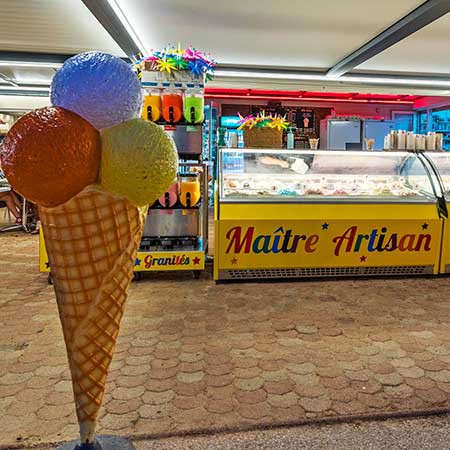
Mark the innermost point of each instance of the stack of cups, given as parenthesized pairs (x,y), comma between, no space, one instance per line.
(401,140)
(410,140)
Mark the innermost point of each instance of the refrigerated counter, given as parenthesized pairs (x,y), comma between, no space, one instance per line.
(440,162)
(325,213)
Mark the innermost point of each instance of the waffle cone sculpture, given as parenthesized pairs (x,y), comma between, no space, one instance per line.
(92,241)
(92,187)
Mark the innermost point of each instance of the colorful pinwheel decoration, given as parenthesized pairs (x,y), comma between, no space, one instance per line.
(173,59)
(262,120)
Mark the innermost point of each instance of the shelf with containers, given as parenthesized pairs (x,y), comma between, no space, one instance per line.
(296,214)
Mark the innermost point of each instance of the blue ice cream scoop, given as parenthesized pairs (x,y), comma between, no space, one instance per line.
(99,87)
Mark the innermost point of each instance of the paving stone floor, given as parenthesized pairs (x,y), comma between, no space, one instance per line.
(194,355)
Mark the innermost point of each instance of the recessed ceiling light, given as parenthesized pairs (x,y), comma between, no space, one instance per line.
(345,78)
(123,18)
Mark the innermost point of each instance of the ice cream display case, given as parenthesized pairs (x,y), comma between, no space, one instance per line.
(289,214)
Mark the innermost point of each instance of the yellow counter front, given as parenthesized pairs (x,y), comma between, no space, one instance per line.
(310,240)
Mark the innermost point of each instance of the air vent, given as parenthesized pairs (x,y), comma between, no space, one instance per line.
(318,272)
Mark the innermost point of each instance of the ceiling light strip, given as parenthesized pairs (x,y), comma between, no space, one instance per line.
(365,79)
(39,65)
(308,99)
(126,23)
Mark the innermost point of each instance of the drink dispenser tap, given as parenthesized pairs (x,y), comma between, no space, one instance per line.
(152,106)
(189,189)
(172,105)
(169,198)
(194,106)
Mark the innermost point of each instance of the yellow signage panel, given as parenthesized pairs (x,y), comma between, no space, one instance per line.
(44,265)
(445,258)
(327,243)
(190,260)
(145,261)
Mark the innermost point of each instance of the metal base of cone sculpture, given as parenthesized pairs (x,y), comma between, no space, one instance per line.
(102,442)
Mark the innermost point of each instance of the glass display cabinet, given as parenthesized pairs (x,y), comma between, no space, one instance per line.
(325,213)
(440,164)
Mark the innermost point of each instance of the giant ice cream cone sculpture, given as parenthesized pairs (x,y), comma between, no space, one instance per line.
(92,189)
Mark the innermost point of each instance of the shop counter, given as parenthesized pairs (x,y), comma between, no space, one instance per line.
(289,214)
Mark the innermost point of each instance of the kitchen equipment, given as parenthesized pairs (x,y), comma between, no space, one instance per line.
(188,139)
(339,134)
(152,106)
(172,223)
(172,105)
(169,198)
(189,189)
(194,104)
(376,130)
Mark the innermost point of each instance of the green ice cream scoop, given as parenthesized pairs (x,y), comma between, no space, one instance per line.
(139,161)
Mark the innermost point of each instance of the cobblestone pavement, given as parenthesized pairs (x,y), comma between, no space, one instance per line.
(195,355)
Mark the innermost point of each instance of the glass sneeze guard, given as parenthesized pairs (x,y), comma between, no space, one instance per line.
(311,176)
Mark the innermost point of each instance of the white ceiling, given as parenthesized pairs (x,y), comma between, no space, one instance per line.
(301,33)
(307,34)
(426,51)
(52,26)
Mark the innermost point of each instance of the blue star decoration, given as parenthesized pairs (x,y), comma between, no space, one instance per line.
(363,258)
(137,262)
(196,261)
(325,226)
(425,226)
